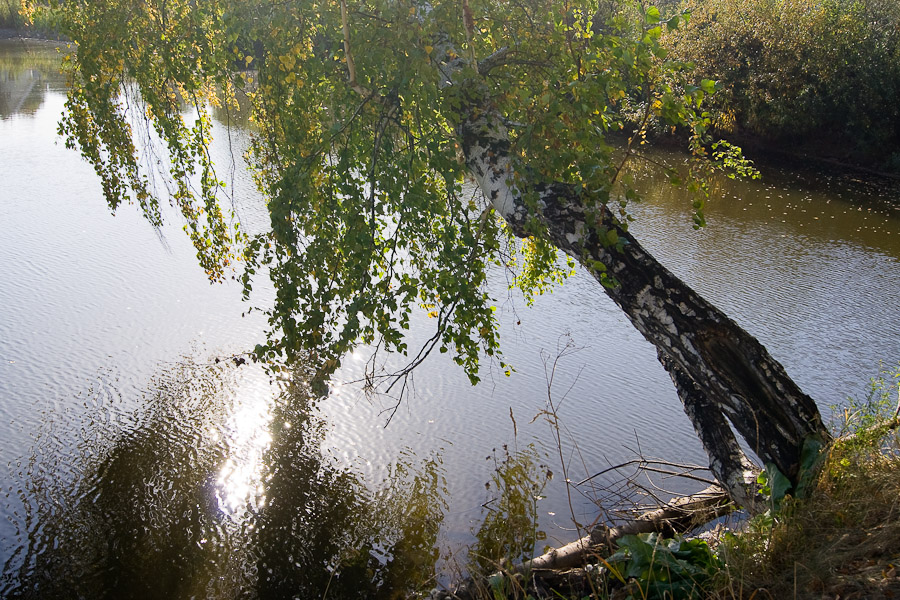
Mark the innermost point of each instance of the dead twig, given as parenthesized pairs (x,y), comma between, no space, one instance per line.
(643,462)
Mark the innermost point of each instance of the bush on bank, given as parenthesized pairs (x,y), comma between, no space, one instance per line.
(820,73)
(10,15)
(33,20)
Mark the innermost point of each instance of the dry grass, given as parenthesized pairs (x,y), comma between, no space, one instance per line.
(843,542)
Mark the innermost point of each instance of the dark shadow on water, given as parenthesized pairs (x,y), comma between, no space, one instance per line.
(138,508)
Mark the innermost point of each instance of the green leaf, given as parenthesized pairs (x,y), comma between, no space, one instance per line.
(652,15)
(811,458)
(639,552)
(778,483)
(763,480)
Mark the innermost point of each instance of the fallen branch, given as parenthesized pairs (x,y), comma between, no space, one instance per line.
(681,515)
(889,425)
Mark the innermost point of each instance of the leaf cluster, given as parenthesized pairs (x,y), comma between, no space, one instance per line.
(655,567)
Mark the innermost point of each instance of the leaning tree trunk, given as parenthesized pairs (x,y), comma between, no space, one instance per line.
(723,375)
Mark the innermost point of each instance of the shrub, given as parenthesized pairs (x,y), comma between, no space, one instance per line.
(800,69)
(10,14)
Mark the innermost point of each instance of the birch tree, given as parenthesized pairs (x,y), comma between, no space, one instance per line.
(373,122)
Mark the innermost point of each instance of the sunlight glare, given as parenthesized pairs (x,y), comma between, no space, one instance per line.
(240,485)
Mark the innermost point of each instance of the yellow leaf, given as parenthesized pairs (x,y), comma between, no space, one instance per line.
(248,59)
(428,49)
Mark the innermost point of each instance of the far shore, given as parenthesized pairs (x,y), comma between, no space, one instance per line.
(30,36)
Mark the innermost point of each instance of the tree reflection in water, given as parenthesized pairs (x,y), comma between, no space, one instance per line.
(138,509)
(26,69)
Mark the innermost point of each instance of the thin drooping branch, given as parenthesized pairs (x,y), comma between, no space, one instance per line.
(469,24)
(351,66)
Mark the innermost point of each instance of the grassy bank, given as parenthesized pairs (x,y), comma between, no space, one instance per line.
(840,540)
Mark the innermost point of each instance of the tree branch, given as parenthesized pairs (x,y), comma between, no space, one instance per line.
(351,66)
(469,23)
(643,462)
(494,60)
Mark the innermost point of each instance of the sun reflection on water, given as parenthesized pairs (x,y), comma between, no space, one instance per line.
(240,484)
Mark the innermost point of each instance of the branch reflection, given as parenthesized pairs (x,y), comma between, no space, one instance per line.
(147,504)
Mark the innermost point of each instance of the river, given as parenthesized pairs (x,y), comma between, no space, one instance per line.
(133,463)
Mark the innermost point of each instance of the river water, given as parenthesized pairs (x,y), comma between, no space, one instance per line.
(133,463)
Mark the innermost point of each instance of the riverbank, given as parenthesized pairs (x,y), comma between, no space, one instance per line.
(30,35)
(843,541)
(807,157)
(816,155)
(11,34)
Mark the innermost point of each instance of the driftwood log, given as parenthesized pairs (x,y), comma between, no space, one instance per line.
(681,515)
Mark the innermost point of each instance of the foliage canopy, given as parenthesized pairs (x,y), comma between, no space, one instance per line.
(356,144)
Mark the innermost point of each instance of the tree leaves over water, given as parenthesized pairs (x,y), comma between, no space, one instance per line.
(370,217)
(138,67)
